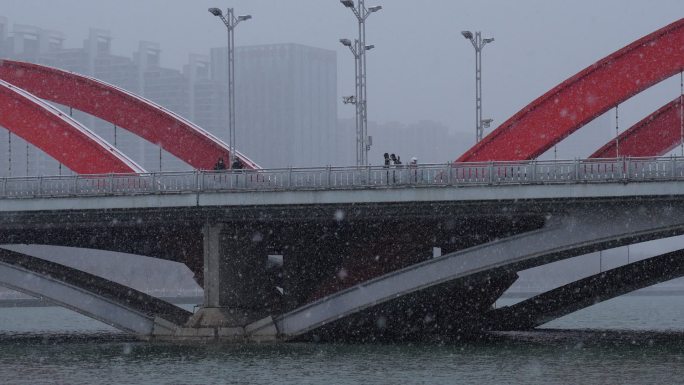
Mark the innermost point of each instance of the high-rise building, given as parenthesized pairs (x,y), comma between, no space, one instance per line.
(286,107)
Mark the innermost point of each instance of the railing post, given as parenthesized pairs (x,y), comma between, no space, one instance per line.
(154,182)
(329,171)
(4,187)
(450,169)
(289,178)
(75,192)
(111,183)
(577,166)
(491,172)
(369,175)
(674,168)
(533,175)
(40,185)
(627,169)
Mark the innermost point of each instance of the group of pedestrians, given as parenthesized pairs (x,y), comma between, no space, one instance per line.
(395,160)
(221,165)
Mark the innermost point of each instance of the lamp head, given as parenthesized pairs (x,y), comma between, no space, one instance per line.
(244,17)
(216,11)
(467,34)
(370,47)
(347,3)
(488,40)
(346,42)
(375,9)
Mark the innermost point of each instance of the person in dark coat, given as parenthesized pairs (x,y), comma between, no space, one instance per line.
(220,165)
(237,165)
(387,160)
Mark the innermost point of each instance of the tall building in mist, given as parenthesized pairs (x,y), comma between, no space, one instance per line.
(286,107)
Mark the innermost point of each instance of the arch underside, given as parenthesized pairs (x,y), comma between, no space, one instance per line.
(148,120)
(654,135)
(116,305)
(583,97)
(558,239)
(586,292)
(58,135)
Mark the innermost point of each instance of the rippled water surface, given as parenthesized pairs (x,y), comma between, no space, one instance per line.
(52,345)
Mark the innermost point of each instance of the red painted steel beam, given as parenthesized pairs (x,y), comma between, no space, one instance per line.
(142,117)
(655,135)
(58,135)
(583,97)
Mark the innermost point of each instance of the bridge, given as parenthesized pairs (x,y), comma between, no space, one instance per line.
(508,216)
(356,243)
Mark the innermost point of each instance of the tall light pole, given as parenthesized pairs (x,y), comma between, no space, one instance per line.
(231,21)
(478,43)
(359,48)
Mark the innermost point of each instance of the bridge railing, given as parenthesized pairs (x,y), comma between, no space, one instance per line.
(449,174)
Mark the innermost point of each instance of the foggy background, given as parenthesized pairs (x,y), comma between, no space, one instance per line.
(420,75)
(421,69)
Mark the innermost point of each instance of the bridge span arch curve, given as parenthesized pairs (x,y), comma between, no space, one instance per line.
(584,96)
(178,136)
(589,291)
(655,135)
(116,305)
(52,131)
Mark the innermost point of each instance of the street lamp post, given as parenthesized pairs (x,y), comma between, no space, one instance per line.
(359,48)
(230,21)
(479,43)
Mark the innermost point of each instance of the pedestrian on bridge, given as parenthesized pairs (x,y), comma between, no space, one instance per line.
(413,166)
(237,165)
(220,165)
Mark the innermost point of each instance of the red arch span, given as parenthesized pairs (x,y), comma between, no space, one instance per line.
(585,96)
(50,130)
(148,120)
(655,135)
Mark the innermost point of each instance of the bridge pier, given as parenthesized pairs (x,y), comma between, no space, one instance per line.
(238,289)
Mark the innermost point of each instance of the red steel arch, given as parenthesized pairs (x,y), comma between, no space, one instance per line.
(585,96)
(148,120)
(52,131)
(655,135)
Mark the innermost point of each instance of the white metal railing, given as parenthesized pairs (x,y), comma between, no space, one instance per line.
(328,178)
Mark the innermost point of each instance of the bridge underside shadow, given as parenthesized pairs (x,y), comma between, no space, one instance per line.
(119,306)
(450,296)
(586,292)
(441,313)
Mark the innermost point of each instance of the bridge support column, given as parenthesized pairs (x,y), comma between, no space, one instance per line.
(237,288)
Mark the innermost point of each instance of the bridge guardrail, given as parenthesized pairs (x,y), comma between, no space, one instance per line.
(322,178)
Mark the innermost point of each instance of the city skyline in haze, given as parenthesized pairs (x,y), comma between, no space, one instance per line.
(421,67)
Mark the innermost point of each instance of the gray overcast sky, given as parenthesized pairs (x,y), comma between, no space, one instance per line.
(421,68)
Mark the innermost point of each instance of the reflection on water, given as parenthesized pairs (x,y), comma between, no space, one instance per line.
(51,345)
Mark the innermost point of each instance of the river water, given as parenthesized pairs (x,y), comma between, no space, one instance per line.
(628,340)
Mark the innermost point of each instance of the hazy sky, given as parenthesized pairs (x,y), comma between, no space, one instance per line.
(422,68)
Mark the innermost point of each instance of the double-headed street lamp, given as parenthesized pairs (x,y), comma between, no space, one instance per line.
(358,49)
(230,20)
(478,43)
